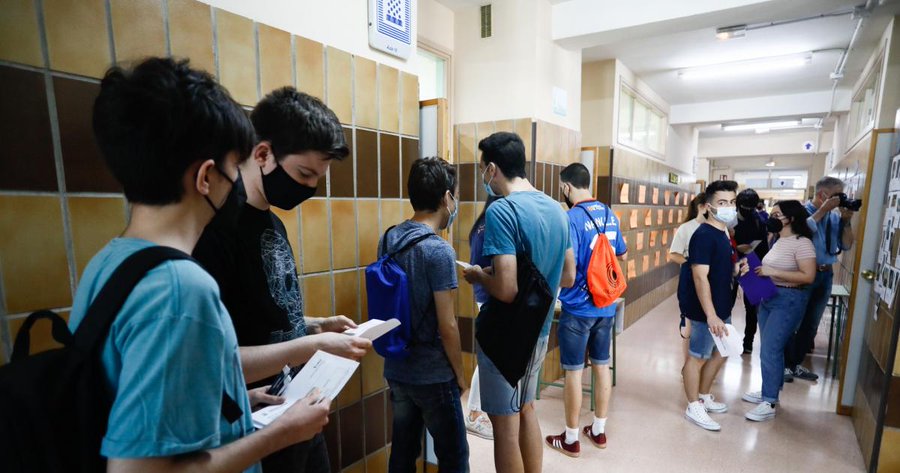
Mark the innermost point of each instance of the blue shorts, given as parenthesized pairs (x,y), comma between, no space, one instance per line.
(579,334)
(701,343)
(497,396)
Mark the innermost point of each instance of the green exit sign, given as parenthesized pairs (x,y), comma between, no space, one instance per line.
(673,178)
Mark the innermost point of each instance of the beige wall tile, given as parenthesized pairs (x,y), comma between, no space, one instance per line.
(363,299)
(314,231)
(389,98)
(352,391)
(343,233)
(190,33)
(346,294)
(33,258)
(391,213)
(237,56)
(365,92)
(95,221)
(506,125)
(19,36)
(368,231)
(467,144)
(310,66)
(339,80)
(275,65)
(409,104)
(138,29)
(889,458)
(372,373)
(292,227)
(317,296)
(77,36)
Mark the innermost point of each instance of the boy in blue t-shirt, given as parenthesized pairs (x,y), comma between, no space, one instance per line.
(704,296)
(582,325)
(530,220)
(173,138)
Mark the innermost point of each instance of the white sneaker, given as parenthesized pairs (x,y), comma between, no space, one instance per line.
(712,406)
(755,397)
(696,413)
(480,427)
(762,412)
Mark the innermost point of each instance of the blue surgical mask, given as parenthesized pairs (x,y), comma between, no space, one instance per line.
(487,185)
(726,215)
(454,212)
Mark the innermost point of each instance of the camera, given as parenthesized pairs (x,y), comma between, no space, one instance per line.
(849,204)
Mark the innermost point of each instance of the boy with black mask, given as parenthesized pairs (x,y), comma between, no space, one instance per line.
(749,231)
(246,249)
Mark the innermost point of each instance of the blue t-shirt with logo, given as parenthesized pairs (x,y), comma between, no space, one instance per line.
(583,231)
(711,247)
(544,227)
(170,353)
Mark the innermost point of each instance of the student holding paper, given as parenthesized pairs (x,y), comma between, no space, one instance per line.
(426,385)
(678,252)
(791,263)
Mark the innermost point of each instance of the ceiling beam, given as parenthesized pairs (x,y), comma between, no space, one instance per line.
(758,108)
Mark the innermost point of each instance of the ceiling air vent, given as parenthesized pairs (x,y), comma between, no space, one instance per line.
(485,21)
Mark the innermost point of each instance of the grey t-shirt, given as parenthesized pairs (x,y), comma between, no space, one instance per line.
(430,267)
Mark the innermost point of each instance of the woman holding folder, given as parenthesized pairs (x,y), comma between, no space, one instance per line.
(791,264)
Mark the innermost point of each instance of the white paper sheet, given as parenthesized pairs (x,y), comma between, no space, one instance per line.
(463,264)
(731,344)
(373,328)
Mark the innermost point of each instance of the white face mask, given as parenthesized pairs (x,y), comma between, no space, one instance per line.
(726,215)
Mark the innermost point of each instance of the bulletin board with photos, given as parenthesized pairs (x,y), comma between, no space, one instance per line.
(888,260)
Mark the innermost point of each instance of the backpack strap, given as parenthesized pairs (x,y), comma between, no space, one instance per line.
(59,331)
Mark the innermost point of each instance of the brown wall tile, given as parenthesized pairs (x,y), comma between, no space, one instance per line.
(343,233)
(314,231)
(138,29)
(390,166)
(365,93)
(340,94)
(292,227)
(310,66)
(95,221)
(275,65)
(333,441)
(190,33)
(466,173)
(352,434)
(26,132)
(409,104)
(467,333)
(409,153)
(19,37)
(77,36)
(33,256)
(368,231)
(41,337)
(366,163)
(317,296)
(84,166)
(237,56)
(347,294)
(389,98)
(373,409)
(342,180)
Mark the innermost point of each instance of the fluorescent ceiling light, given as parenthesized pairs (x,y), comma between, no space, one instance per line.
(731,32)
(762,126)
(771,163)
(746,68)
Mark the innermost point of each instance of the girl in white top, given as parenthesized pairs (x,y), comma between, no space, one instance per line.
(678,251)
(791,264)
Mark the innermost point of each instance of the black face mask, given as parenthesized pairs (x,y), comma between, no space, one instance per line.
(230,210)
(216,210)
(282,190)
(774,225)
(568,202)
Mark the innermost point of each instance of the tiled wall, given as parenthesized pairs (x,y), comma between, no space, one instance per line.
(650,209)
(59,205)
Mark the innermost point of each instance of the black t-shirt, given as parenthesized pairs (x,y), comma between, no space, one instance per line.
(253,263)
(750,229)
(709,246)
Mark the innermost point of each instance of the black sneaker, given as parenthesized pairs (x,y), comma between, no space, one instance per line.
(803,373)
(788,375)
(748,349)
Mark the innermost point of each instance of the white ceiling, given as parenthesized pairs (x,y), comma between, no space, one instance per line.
(758,163)
(657,58)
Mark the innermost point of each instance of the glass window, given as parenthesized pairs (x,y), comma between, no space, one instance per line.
(626,111)
(642,126)
(432,76)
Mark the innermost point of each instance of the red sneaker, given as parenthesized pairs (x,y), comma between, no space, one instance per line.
(599,441)
(558,442)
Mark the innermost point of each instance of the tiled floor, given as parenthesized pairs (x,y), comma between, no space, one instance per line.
(648,433)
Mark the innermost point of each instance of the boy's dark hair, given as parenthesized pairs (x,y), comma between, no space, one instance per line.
(154,121)
(507,151)
(719,186)
(429,179)
(577,175)
(294,122)
(798,214)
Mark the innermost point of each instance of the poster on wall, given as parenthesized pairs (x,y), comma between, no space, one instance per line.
(887,268)
(390,26)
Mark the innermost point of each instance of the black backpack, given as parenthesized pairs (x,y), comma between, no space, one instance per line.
(56,403)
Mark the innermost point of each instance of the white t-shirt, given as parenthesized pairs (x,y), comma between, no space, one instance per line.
(682,238)
(786,255)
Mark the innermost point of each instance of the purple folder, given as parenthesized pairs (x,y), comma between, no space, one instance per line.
(757,288)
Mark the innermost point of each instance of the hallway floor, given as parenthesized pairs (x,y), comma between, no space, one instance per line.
(648,432)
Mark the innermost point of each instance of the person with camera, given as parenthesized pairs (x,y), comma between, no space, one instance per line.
(830,213)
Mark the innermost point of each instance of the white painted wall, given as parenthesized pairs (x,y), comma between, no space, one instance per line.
(681,147)
(555,66)
(342,24)
(766,144)
(760,107)
(598,83)
(436,24)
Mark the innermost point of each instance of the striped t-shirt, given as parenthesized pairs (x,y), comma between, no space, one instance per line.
(786,254)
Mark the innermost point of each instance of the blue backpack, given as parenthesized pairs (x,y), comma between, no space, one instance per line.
(387,290)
